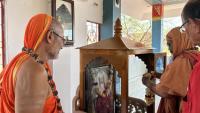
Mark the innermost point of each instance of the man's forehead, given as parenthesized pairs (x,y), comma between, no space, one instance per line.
(58,28)
(55,23)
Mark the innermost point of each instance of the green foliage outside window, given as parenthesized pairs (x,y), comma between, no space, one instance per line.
(141,30)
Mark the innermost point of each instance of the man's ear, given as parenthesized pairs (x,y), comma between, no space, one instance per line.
(198,26)
(194,26)
(191,21)
(49,38)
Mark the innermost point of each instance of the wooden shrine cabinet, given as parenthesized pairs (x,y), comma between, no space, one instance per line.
(108,75)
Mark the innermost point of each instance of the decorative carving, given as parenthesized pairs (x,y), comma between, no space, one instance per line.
(76,102)
(118,29)
(135,105)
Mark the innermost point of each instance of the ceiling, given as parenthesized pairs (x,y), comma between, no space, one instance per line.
(142,9)
(166,2)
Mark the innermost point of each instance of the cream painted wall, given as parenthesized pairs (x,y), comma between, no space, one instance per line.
(67,66)
(18,13)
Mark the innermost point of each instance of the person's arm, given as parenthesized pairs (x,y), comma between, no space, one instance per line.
(147,82)
(31,88)
(158,75)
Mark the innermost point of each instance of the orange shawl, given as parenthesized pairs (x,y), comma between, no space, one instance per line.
(176,76)
(34,34)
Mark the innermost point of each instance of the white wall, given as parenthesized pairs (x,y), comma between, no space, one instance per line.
(66,68)
(18,13)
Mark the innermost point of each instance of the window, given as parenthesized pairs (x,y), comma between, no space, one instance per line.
(92,32)
(137,30)
(2,34)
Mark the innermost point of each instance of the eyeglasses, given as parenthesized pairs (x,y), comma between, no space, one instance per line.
(62,37)
(182,28)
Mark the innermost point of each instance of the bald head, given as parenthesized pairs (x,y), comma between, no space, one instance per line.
(55,29)
(55,25)
(191,10)
(54,41)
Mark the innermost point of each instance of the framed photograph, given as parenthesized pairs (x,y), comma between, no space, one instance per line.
(100,90)
(63,11)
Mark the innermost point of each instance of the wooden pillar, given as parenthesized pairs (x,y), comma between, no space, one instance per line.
(82,81)
(124,90)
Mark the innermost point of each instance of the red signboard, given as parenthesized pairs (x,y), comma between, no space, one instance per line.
(157,11)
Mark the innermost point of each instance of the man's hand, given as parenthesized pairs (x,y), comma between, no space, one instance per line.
(146,79)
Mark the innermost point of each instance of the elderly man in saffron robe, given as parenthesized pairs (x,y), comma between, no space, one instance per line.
(174,81)
(26,84)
